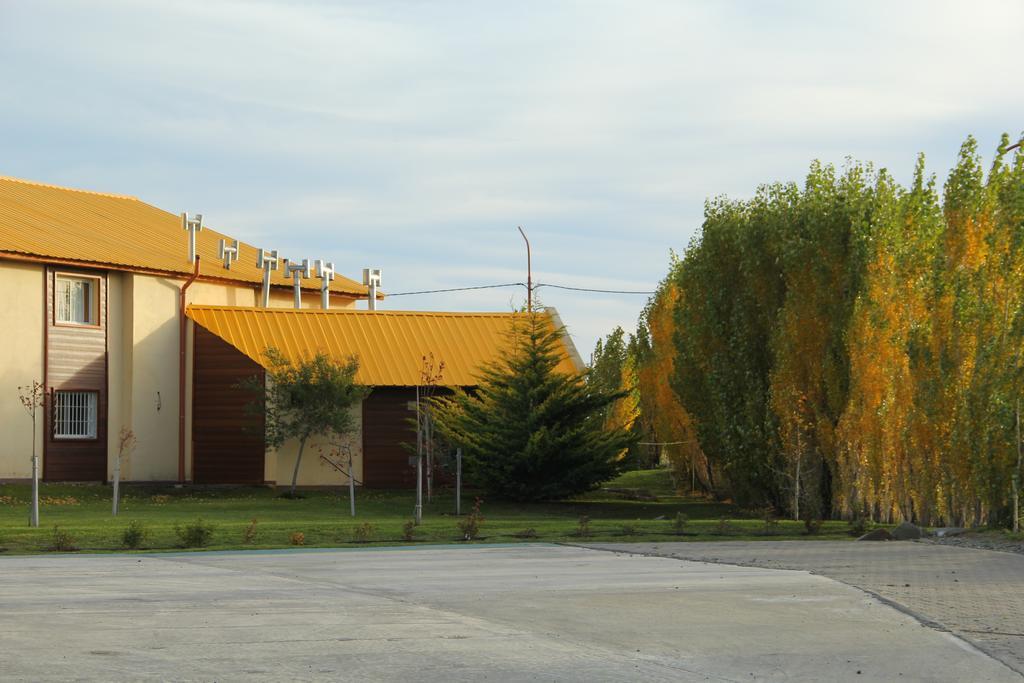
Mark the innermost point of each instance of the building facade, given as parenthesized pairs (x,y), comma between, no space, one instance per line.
(105,306)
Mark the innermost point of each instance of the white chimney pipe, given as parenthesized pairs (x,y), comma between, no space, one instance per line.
(371,278)
(192,225)
(326,273)
(297,271)
(266,261)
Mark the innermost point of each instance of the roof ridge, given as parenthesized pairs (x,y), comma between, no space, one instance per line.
(350,311)
(67,189)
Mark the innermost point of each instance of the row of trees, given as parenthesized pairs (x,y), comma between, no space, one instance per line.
(849,347)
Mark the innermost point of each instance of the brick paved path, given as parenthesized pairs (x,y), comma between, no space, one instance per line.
(976,594)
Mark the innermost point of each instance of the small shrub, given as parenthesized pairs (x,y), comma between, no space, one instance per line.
(526,533)
(679,523)
(249,532)
(62,541)
(583,526)
(195,534)
(629,530)
(409,530)
(364,533)
(297,538)
(469,525)
(134,535)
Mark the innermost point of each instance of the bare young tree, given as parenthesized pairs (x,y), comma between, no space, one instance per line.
(33,398)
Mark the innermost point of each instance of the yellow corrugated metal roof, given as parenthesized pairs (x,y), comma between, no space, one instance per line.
(390,345)
(59,223)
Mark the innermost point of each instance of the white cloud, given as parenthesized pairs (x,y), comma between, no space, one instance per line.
(416,136)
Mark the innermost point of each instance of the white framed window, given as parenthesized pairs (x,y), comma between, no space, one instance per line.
(76,300)
(74,414)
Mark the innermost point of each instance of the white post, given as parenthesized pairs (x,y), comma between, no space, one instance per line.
(326,274)
(267,260)
(34,517)
(192,225)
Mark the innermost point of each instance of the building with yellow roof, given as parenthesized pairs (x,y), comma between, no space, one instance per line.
(136,318)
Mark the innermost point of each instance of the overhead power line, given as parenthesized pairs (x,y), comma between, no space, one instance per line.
(522,284)
(458,289)
(589,289)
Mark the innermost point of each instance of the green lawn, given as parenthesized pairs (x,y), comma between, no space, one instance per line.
(639,506)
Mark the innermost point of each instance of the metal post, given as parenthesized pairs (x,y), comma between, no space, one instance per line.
(458,481)
(351,487)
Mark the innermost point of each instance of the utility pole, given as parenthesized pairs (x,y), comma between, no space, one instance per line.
(529,273)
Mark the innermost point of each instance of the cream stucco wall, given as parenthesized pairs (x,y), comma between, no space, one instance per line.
(280,464)
(21,362)
(153,401)
(285,298)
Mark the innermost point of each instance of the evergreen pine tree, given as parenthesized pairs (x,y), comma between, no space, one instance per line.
(530,431)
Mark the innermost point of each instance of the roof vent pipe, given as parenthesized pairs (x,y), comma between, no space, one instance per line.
(266,261)
(371,278)
(193,224)
(228,253)
(326,274)
(297,271)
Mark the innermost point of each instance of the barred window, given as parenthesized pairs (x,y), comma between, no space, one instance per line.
(74,414)
(75,300)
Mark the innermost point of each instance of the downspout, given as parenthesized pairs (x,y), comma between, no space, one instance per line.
(182,342)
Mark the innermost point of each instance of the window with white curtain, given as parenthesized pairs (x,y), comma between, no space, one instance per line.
(74,414)
(75,300)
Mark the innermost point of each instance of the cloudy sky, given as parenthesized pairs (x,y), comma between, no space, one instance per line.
(416,136)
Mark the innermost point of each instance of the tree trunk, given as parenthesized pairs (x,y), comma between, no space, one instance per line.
(1015,479)
(298,460)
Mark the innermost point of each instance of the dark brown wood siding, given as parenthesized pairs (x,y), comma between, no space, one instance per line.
(386,425)
(76,360)
(227,442)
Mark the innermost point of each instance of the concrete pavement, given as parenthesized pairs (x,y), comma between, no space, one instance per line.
(976,594)
(515,613)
